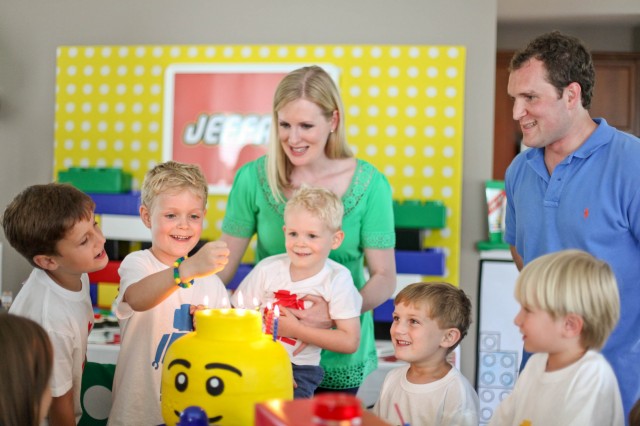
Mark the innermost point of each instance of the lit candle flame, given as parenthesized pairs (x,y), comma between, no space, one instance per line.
(276,311)
(240,300)
(206,301)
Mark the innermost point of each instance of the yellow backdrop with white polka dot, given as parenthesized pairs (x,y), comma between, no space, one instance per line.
(404,113)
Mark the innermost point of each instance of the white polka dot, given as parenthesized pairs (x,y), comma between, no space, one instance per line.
(135,145)
(71,89)
(155,89)
(245,52)
(354,91)
(282,52)
(449,112)
(136,126)
(70,107)
(105,52)
(301,52)
(103,108)
(156,70)
(392,110)
(452,72)
(338,52)
(221,205)
(118,145)
(428,151)
(412,72)
(408,171)
(430,111)
(447,171)
(373,111)
(101,162)
(427,191)
(86,107)
(374,91)
(88,71)
(73,52)
(392,91)
(153,146)
(157,51)
(134,164)
(85,162)
(427,171)
(138,89)
(411,111)
(356,72)
(356,52)
(429,131)
(121,89)
(104,89)
(390,150)
(394,72)
(103,126)
(69,126)
(138,70)
(450,92)
(210,52)
(102,145)
(374,72)
(105,70)
(453,52)
(414,52)
(319,52)
(449,132)
(432,92)
(85,144)
(154,108)
(93,402)
(391,131)
(354,110)
(354,130)
(123,52)
(434,52)
(432,72)
(389,171)
(68,144)
(140,51)
(87,89)
(120,108)
(117,162)
(122,70)
(407,191)
(227,52)
(448,151)
(395,52)
(410,131)
(446,192)
(376,52)
(371,150)
(412,91)
(372,130)
(72,70)
(154,126)
(137,108)
(119,126)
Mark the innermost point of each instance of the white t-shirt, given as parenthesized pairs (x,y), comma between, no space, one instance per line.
(67,317)
(333,283)
(146,336)
(449,401)
(582,394)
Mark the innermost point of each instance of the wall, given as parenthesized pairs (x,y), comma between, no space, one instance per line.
(31,31)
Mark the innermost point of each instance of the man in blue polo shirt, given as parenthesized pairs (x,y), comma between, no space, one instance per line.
(578,186)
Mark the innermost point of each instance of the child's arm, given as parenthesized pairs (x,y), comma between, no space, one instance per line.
(61,412)
(345,338)
(151,290)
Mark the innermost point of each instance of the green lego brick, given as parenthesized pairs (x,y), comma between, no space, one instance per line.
(418,214)
(98,180)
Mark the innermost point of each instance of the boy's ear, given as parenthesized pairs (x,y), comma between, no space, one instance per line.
(145,215)
(573,324)
(450,338)
(46,262)
(338,237)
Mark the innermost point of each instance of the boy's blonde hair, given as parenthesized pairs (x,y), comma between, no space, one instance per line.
(173,176)
(573,281)
(321,203)
(448,305)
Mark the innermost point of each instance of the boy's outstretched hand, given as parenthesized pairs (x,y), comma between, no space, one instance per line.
(210,259)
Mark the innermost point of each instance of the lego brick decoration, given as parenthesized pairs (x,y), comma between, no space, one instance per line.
(404,113)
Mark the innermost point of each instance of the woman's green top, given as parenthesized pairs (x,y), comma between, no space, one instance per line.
(367,223)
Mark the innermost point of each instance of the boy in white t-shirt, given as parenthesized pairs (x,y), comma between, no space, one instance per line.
(53,226)
(312,227)
(160,288)
(569,305)
(429,321)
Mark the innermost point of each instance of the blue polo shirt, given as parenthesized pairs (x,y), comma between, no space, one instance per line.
(591,202)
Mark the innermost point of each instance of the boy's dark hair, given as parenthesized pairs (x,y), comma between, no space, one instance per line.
(41,215)
(566,59)
(448,305)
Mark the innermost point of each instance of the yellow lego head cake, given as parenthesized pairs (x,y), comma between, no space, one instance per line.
(224,367)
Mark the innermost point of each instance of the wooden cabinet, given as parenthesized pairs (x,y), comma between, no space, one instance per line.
(616,97)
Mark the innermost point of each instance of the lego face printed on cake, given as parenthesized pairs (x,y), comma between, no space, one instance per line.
(196,384)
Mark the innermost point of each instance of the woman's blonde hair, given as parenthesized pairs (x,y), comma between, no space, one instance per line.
(173,176)
(313,84)
(320,202)
(573,282)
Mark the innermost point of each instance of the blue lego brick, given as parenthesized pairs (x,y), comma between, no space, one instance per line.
(127,203)
(243,271)
(384,312)
(93,291)
(424,262)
